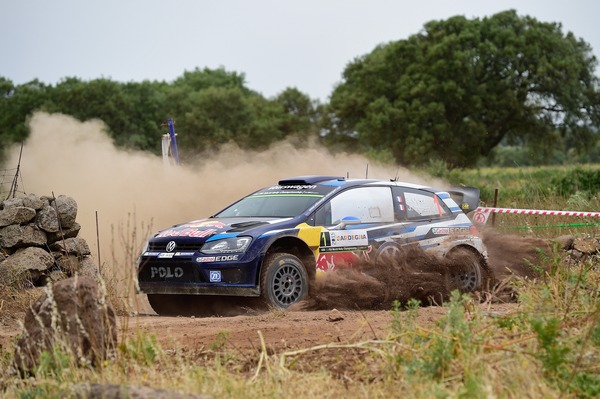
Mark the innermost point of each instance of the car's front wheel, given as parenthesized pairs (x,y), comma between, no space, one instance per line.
(284,280)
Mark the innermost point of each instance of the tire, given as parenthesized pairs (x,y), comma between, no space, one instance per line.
(469,271)
(389,252)
(283,280)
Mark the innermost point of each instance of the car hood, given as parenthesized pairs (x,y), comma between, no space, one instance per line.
(226,227)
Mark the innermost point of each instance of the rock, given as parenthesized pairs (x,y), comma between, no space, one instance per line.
(47,219)
(25,265)
(72,246)
(575,254)
(53,277)
(35,202)
(64,233)
(11,202)
(335,315)
(16,215)
(88,267)
(73,315)
(67,210)
(585,246)
(69,264)
(114,391)
(17,236)
(565,242)
(41,222)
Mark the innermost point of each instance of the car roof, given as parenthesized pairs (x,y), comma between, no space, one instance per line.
(342,181)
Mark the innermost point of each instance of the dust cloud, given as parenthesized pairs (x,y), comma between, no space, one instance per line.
(134,194)
(134,189)
(427,278)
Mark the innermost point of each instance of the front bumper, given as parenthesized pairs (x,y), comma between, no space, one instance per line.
(196,289)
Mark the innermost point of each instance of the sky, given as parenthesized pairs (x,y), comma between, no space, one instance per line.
(276,44)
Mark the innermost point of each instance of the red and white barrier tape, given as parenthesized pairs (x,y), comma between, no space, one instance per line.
(482,213)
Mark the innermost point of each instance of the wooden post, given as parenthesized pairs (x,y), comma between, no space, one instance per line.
(495,206)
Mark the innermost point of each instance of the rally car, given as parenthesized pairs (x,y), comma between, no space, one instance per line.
(274,242)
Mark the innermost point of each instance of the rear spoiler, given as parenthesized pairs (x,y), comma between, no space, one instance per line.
(466,197)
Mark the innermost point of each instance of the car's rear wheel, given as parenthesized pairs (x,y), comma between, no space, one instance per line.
(468,269)
(284,280)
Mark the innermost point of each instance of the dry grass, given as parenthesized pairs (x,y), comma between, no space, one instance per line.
(14,302)
(549,347)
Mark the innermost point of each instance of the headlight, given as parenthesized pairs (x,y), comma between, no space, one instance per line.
(227,245)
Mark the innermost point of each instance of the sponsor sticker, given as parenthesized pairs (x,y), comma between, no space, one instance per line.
(449,230)
(221,258)
(293,187)
(344,249)
(187,232)
(215,276)
(166,255)
(204,223)
(344,238)
(340,241)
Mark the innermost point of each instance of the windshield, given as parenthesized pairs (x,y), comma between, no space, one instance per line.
(270,205)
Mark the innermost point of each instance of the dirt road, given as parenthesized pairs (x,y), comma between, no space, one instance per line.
(281,330)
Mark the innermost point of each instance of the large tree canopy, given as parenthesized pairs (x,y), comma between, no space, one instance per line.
(460,87)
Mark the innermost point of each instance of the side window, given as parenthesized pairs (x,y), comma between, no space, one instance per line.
(369,204)
(422,204)
(399,203)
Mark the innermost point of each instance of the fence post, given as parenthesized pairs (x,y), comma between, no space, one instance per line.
(495,206)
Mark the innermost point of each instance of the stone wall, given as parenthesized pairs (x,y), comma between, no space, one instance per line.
(39,243)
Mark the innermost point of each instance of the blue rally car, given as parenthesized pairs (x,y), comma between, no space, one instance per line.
(272,243)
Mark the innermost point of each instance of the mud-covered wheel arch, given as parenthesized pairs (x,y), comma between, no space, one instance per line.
(298,248)
(468,269)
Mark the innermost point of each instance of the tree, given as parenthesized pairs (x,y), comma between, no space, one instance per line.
(302,113)
(460,87)
(16,105)
(214,107)
(210,107)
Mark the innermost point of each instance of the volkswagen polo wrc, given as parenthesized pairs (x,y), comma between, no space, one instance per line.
(274,242)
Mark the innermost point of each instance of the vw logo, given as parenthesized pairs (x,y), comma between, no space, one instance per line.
(171,246)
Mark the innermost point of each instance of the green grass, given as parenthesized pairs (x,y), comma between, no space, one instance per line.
(542,188)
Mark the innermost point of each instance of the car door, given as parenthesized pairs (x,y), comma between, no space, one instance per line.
(425,215)
(351,221)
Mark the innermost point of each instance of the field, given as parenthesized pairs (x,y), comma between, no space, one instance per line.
(536,334)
